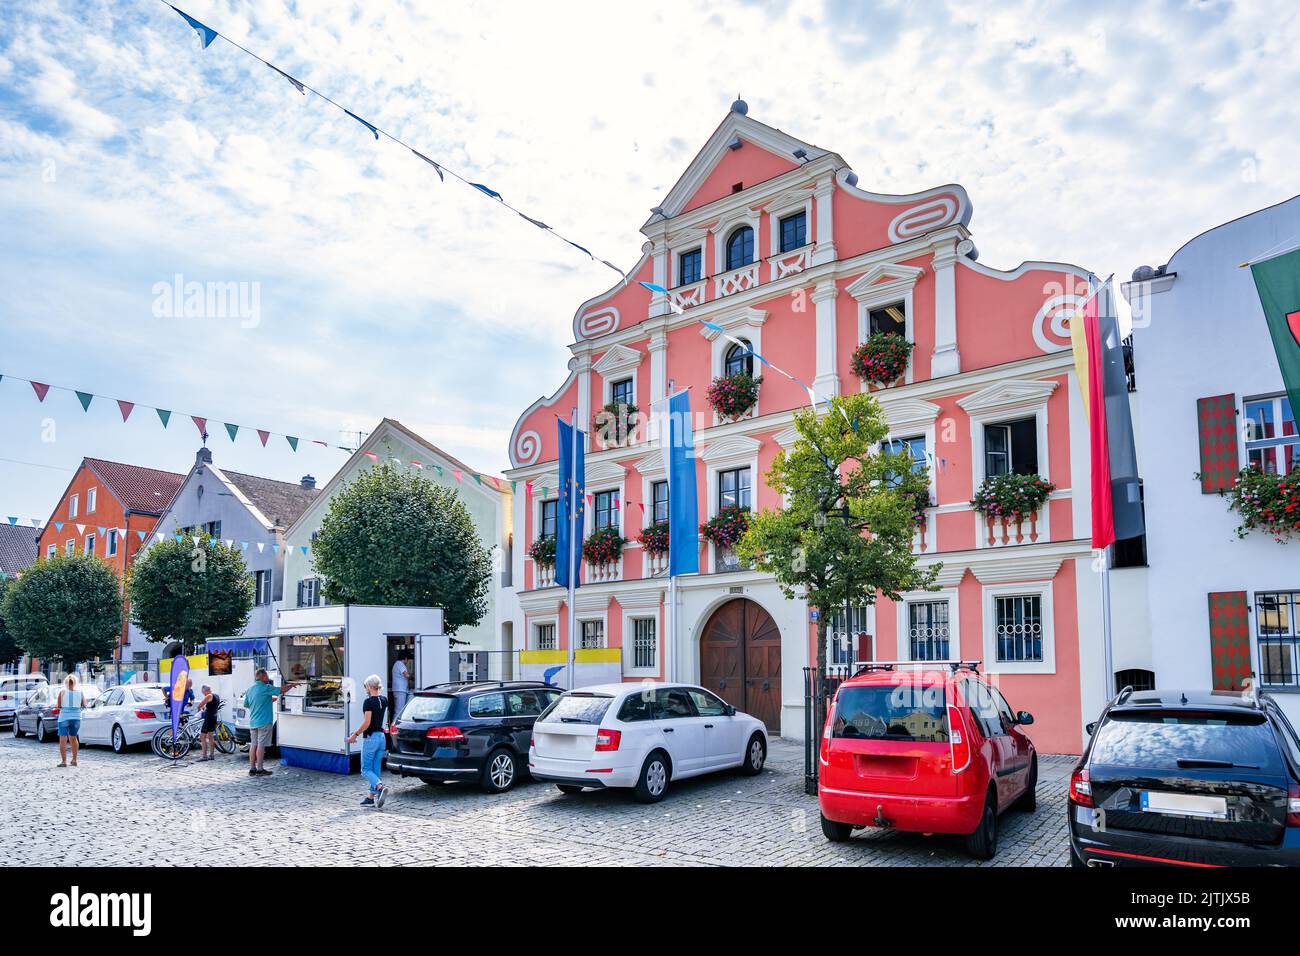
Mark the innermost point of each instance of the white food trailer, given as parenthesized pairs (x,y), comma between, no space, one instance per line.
(325,653)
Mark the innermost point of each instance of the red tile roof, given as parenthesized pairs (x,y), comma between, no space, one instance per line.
(144,490)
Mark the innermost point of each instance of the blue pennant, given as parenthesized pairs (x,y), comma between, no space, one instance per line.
(662,291)
(497,196)
(436,167)
(363,123)
(206,32)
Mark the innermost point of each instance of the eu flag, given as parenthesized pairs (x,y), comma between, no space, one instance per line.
(683,509)
(572,502)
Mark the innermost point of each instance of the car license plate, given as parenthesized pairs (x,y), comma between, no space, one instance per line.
(1184,804)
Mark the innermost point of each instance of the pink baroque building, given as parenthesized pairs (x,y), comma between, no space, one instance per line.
(773,239)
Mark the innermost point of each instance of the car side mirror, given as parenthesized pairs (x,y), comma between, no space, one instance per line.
(1024,717)
(730,711)
(1091,728)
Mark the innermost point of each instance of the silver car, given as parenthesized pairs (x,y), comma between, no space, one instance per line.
(125,716)
(14,689)
(39,714)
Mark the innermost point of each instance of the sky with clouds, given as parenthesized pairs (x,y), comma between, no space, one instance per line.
(1100,133)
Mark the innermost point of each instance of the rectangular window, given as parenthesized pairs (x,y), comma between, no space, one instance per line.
(914,447)
(90,544)
(794,231)
(928,631)
(914,713)
(51,551)
(645,644)
(733,488)
(262,587)
(549,511)
(659,498)
(212,529)
(70,547)
(73,502)
(606,513)
(593,634)
(1011,448)
(688,266)
(1018,627)
(888,318)
(620,392)
(544,637)
(848,645)
(90,500)
(1277,630)
(112,542)
(1272,444)
(317,661)
(309,592)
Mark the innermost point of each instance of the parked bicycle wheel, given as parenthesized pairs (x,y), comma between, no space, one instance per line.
(226,742)
(169,746)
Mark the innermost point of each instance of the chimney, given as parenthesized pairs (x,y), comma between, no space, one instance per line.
(308,481)
(203,456)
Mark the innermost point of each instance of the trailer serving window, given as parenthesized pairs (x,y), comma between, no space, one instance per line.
(317,661)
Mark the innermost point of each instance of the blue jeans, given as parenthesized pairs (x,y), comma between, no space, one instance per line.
(372,758)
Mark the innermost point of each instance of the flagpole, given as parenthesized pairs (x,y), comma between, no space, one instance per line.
(574,492)
(1108,652)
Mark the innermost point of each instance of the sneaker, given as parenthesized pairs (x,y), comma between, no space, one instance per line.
(368,802)
(264,772)
(380,796)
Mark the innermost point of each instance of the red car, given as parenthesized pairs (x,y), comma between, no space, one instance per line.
(933,750)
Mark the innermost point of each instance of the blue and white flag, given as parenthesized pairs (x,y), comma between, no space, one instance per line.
(573,481)
(205,32)
(677,441)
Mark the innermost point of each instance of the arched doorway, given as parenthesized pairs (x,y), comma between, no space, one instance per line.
(740,660)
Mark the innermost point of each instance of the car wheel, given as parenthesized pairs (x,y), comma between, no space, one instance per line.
(568,788)
(18,731)
(836,832)
(983,843)
(119,740)
(652,785)
(41,735)
(1029,799)
(500,771)
(755,756)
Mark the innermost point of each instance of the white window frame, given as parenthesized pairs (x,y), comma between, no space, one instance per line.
(630,617)
(582,622)
(88,544)
(652,468)
(775,213)
(533,637)
(902,618)
(70,546)
(675,261)
(886,284)
(1278,442)
(91,495)
(257,589)
(727,225)
(316,582)
(742,324)
(990,594)
(74,502)
(110,543)
(51,550)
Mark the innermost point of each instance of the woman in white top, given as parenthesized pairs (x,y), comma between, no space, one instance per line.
(70,703)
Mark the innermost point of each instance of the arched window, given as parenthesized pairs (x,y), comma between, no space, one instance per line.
(740,248)
(738,360)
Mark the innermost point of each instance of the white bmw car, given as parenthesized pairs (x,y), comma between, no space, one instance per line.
(642,736)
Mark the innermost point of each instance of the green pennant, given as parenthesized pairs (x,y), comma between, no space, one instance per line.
(439,467)
(478,478)
(84,398)
(514,485)
(1277,281)
(231,430)
(164,416)
(293,442)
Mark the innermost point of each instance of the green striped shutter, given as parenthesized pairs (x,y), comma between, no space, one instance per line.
(1229,639)
(1216,421)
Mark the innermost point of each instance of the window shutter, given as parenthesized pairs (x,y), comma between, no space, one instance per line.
(1216,421)
(1229,639)
(300,584)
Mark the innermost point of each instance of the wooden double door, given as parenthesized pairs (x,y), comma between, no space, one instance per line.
(740,660)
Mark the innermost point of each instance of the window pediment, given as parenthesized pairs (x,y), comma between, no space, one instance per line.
(733,322)
(884,282)
(1001,396)
(618,359)
(733,447)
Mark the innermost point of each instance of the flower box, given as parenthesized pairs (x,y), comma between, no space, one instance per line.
(603,546)
(726,527)
(654,539)
(732,396)
(882,358)
(542,551)
(1267,502)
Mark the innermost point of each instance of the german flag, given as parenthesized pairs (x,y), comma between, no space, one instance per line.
(1103,383)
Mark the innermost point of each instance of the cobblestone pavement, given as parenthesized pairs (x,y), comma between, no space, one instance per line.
(128,811)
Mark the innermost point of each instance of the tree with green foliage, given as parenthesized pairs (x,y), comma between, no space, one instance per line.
(10,652)
(396,539)
(845,532)
(67,608)
(190,590)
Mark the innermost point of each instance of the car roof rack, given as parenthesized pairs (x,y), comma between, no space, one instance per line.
(1124,693)
(868,667)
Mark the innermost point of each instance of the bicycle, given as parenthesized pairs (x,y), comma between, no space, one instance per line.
(174,748)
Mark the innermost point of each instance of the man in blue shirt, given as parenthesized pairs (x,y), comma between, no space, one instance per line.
(258,699)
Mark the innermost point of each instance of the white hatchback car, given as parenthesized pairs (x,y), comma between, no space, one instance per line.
(642,736)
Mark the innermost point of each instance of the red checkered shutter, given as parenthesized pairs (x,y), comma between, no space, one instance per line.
(1229,639)
(1216,421)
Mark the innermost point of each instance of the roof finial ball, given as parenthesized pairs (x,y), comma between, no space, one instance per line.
(740,106)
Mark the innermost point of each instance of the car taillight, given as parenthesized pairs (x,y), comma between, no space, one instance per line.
(145,714)
(959,742)
(54,711)
(608,739)
(531,742)
(825,752)
(1081,788)
(445,733)
(1293,806)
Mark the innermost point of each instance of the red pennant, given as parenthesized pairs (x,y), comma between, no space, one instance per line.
(458,473)
(264,436)
(371,455)
(200,423)
(125,408)
(41,388)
